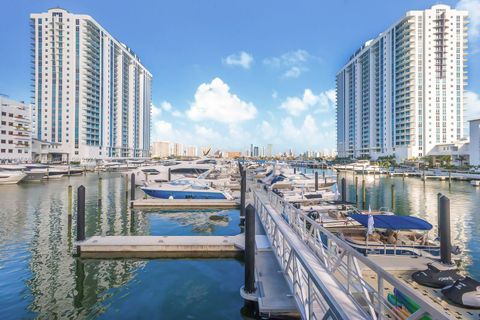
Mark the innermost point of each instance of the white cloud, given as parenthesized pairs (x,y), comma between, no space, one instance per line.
(213,101)
(274,94)
(306,136)
(294,63)
(473,8)
(167,106)
(293,72)
(156,112)
(322,102)
(177,113)
(268,132)
(472,106)
(241,59)
(163,130)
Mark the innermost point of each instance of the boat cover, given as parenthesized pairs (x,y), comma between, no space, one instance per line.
(393,222)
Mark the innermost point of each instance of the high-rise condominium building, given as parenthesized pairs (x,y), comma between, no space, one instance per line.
(15,131)
(91,94)
(403,92)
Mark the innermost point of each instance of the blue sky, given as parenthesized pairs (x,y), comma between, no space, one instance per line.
(231,73)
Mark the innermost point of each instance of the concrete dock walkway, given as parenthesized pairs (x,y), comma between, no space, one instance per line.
(162,246)
(185,204)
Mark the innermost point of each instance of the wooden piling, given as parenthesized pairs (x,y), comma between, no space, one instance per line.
(126,185)
(316,180)
(132,189)
(344,190)
(356,190)
(99,194)
(392,191)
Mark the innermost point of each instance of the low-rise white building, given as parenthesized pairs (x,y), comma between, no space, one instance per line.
(15,131)
(474,147)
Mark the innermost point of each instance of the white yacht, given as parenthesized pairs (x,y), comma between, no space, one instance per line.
(11,177)
(29,175)
(177,169)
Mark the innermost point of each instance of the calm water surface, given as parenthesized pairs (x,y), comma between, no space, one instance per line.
(39,277)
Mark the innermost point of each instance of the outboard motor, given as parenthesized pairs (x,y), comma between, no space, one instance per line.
(435,278)
(465,292)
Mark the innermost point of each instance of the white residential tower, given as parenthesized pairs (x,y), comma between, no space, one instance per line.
(91,94)
(403,92)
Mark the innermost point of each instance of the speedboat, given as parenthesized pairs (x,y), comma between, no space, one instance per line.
(385,234)
(184,189)
(11,177)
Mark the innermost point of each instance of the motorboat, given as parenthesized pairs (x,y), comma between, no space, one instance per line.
(359,165)
(172,171)
(29,175)
(385,234)
(185,189)
(48,172)
(11,177)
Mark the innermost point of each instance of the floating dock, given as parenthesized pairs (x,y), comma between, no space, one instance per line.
(185,204)
(162,246)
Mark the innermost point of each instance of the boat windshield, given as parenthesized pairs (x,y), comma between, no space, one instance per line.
(192,183)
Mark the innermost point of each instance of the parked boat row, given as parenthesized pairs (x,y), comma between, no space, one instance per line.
(13,173)
(380,234)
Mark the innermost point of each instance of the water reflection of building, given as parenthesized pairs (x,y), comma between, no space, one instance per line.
(64,286)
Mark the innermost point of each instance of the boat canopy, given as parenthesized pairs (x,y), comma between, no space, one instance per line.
(381,221)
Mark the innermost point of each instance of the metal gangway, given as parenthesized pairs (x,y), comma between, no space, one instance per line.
(327,277)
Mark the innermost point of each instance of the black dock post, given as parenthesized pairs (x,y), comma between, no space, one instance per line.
(324,179)
(439,195)
(81,213)
(316,180)
(132,189)
(294,170)
(250,250)
(344,190)
(243,190)
(445,244)
(169,175)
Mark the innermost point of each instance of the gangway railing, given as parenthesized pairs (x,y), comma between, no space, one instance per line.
(347,266)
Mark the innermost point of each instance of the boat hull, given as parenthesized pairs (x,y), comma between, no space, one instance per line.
(168,194)
(11,178)
(33,176)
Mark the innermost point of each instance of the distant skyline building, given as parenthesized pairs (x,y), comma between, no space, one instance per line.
(402,93)
(161,149)
(91,93)
(191,151)
(269,151)
(15,130)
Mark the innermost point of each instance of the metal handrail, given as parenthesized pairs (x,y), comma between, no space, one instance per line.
(343,262)
(311,295)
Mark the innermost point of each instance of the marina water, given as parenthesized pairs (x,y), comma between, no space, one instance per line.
(39,277)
